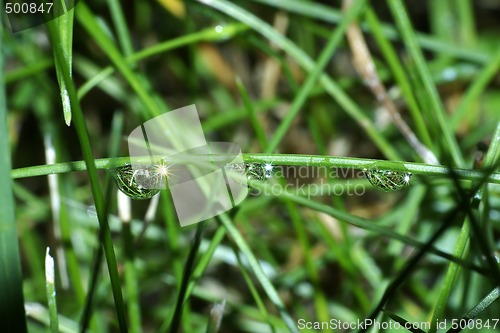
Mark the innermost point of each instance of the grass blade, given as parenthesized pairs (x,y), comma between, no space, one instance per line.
(100,206)
(11,303)
(259,273)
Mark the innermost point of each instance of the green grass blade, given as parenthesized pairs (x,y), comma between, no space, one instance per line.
(403,322)
(84,140)
(314,73)
(451,274)
(50,288)
(305,61)
(186,277)
(477,87)
(252,114)
(259,273)
(282,159)
(120,26)
(64,24)
(327,14)
(399,75)
(87,19)
(408,34)
(11,282)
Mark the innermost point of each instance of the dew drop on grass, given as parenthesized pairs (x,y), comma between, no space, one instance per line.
(252,171)
(130,181)
(388,180)
(259,171)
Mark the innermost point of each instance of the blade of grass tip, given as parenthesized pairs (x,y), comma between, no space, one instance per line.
(259,272)
(365,224)
(400,15)
(12,314)
(315,72)
(480,307)
(51,292)
(83,137)
(64,24)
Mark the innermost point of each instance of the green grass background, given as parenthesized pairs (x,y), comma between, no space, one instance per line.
(276,78)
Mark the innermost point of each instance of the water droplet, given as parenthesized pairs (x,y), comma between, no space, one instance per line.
(388,180)
(259,171)
(134,182)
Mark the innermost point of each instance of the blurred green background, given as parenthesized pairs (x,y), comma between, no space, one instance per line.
(245,65)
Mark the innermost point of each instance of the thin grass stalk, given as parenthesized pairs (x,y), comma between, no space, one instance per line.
(282,159)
